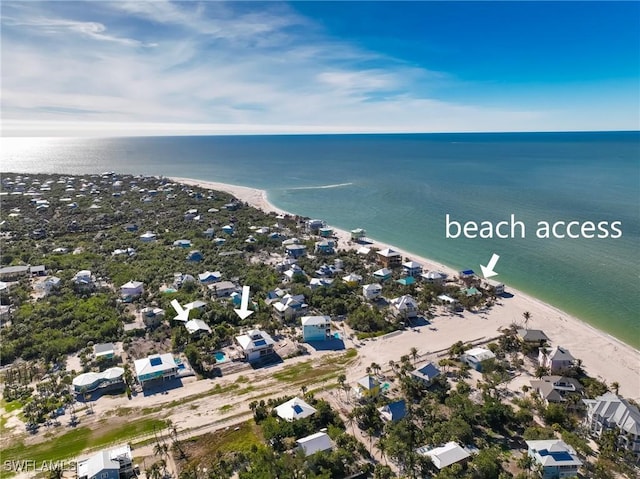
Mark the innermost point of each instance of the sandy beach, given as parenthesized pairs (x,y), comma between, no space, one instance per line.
(602,355)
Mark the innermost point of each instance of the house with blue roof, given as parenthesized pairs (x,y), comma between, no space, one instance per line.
(426,374)
(394,411)
(556,459)
(195,255)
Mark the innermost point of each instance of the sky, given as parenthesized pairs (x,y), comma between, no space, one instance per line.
(114,68)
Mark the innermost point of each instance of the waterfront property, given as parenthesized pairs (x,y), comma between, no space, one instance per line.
(294,409)
(316,328)
(556,459)
(495,286)
(114,463)
(555,359)
(255,345)
(112,378)
(611,412)
(389,258)
(433,277)
(156,366)
(533,336)
(475,356)
(411,268)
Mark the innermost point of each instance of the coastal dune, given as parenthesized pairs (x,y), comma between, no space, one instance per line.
(602,356)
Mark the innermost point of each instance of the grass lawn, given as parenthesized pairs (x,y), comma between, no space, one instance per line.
(202,450)
(72,443)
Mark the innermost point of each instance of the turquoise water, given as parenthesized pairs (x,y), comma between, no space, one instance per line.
(400,187)
(221,357)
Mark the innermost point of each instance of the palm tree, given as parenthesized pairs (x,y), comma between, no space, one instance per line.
(304,390)
(615,385)
(527,316)
(414,354)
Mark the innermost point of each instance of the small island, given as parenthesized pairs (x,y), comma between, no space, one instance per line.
(164,327)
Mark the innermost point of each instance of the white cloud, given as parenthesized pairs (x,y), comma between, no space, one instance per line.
(216,68)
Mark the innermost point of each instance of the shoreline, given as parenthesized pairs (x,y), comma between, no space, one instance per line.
(603,356)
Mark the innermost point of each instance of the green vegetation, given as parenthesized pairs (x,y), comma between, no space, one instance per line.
(72,443)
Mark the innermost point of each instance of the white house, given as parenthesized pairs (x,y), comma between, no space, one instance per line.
(474,357)
(289,307)
(223,288)
(209,277)
(404,307)
(107,464)
(411,268)
(255,344)
(557,459)
(132,289)
(294,409)
(156,366)
(197,326)
(148,237)
(352,279)
(83,279)
(433,277)
(555,359)
(445,456)
(371,291)
(320,441)
(610,411)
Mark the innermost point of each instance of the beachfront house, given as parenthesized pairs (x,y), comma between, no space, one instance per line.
(495,287)
(114,463)
(111,379)
(448,302)
(320,441)
(389,258)
(315,328)
(532,336)
(611,412)
(255,345)
(426,374)
(411,268)
(555,359)
(358,235)
(371,292)
(555,388)
(404,307)
(475,356)
(313,226)
(154,368)
(294,409)
(325,232)
(555,458)
(433,277)
(445,456)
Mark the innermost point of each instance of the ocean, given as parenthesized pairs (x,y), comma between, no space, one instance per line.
(401,187)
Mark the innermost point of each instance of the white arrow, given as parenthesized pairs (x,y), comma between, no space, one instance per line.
(183,314)
(243,312)
(487,271)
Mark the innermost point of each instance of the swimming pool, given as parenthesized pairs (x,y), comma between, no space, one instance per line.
(337,335)
(221,357)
